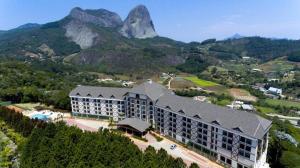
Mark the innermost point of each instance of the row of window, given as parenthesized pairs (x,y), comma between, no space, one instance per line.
(229,162)
(85,100)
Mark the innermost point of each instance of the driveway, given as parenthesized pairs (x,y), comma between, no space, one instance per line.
(187,155)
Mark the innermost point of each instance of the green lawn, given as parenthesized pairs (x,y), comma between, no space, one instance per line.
(200,82)
(286,103)
(5,103)
(265,110)
(28,106)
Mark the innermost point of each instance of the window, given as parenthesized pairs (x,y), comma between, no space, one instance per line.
(245,147)
(227,140)
(248,141)
(222,158)
(228,161)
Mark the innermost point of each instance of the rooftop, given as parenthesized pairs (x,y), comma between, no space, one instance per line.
(151,89)
(135,123)
(98,92)
(235,120)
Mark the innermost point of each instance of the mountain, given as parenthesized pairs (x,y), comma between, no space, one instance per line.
(138,24)
(28,26)
(92,39)
(99,40)
(99,17)
(235,36)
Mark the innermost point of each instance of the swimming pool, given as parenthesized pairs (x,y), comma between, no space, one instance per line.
(40,117)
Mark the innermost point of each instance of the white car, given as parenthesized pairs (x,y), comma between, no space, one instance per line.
(173,146)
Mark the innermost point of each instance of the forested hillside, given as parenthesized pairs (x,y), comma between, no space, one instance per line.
(257,47)
(45,82)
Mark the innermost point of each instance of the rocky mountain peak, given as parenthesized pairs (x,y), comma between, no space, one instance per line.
(100,17)
(138,24)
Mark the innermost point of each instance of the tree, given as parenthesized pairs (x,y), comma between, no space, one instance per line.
(290,159)
(194,165)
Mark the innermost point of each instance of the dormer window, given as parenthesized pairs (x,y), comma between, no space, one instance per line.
(216,122)
(112,96)
(88,95)
(197,116)
(238,129)
(168,107)
(77,94)
(181,111)
(100,95)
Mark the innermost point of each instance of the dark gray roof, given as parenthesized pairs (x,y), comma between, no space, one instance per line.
(236,120)
(151,89)
(98,92)
(135,123)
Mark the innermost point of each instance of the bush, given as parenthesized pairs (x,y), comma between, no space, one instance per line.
(158,138)
(294,56)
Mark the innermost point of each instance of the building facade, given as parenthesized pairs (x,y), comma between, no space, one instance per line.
(235,138)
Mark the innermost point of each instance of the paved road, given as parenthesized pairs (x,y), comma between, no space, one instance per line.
(284,117)
(187,156)
(292,120)
(169,83)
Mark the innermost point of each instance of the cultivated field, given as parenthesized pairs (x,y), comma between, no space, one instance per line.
(181,83)
(241,94)
(286,103)
(200,82)
(278,65)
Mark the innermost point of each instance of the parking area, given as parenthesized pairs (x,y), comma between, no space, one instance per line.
(187,155)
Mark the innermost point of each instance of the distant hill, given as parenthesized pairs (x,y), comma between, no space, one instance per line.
(257,47)
(100,40)
(28,26)
(234,37)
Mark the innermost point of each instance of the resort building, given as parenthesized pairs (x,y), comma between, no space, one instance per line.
(238,139)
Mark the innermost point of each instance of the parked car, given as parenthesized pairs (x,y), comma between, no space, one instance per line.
(173,146)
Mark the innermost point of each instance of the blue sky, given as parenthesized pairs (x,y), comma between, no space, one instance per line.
(184,20)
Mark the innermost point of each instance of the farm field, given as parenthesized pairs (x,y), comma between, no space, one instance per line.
(279,64)
(286,103)
(241,94)
(200,82)
(181,83)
